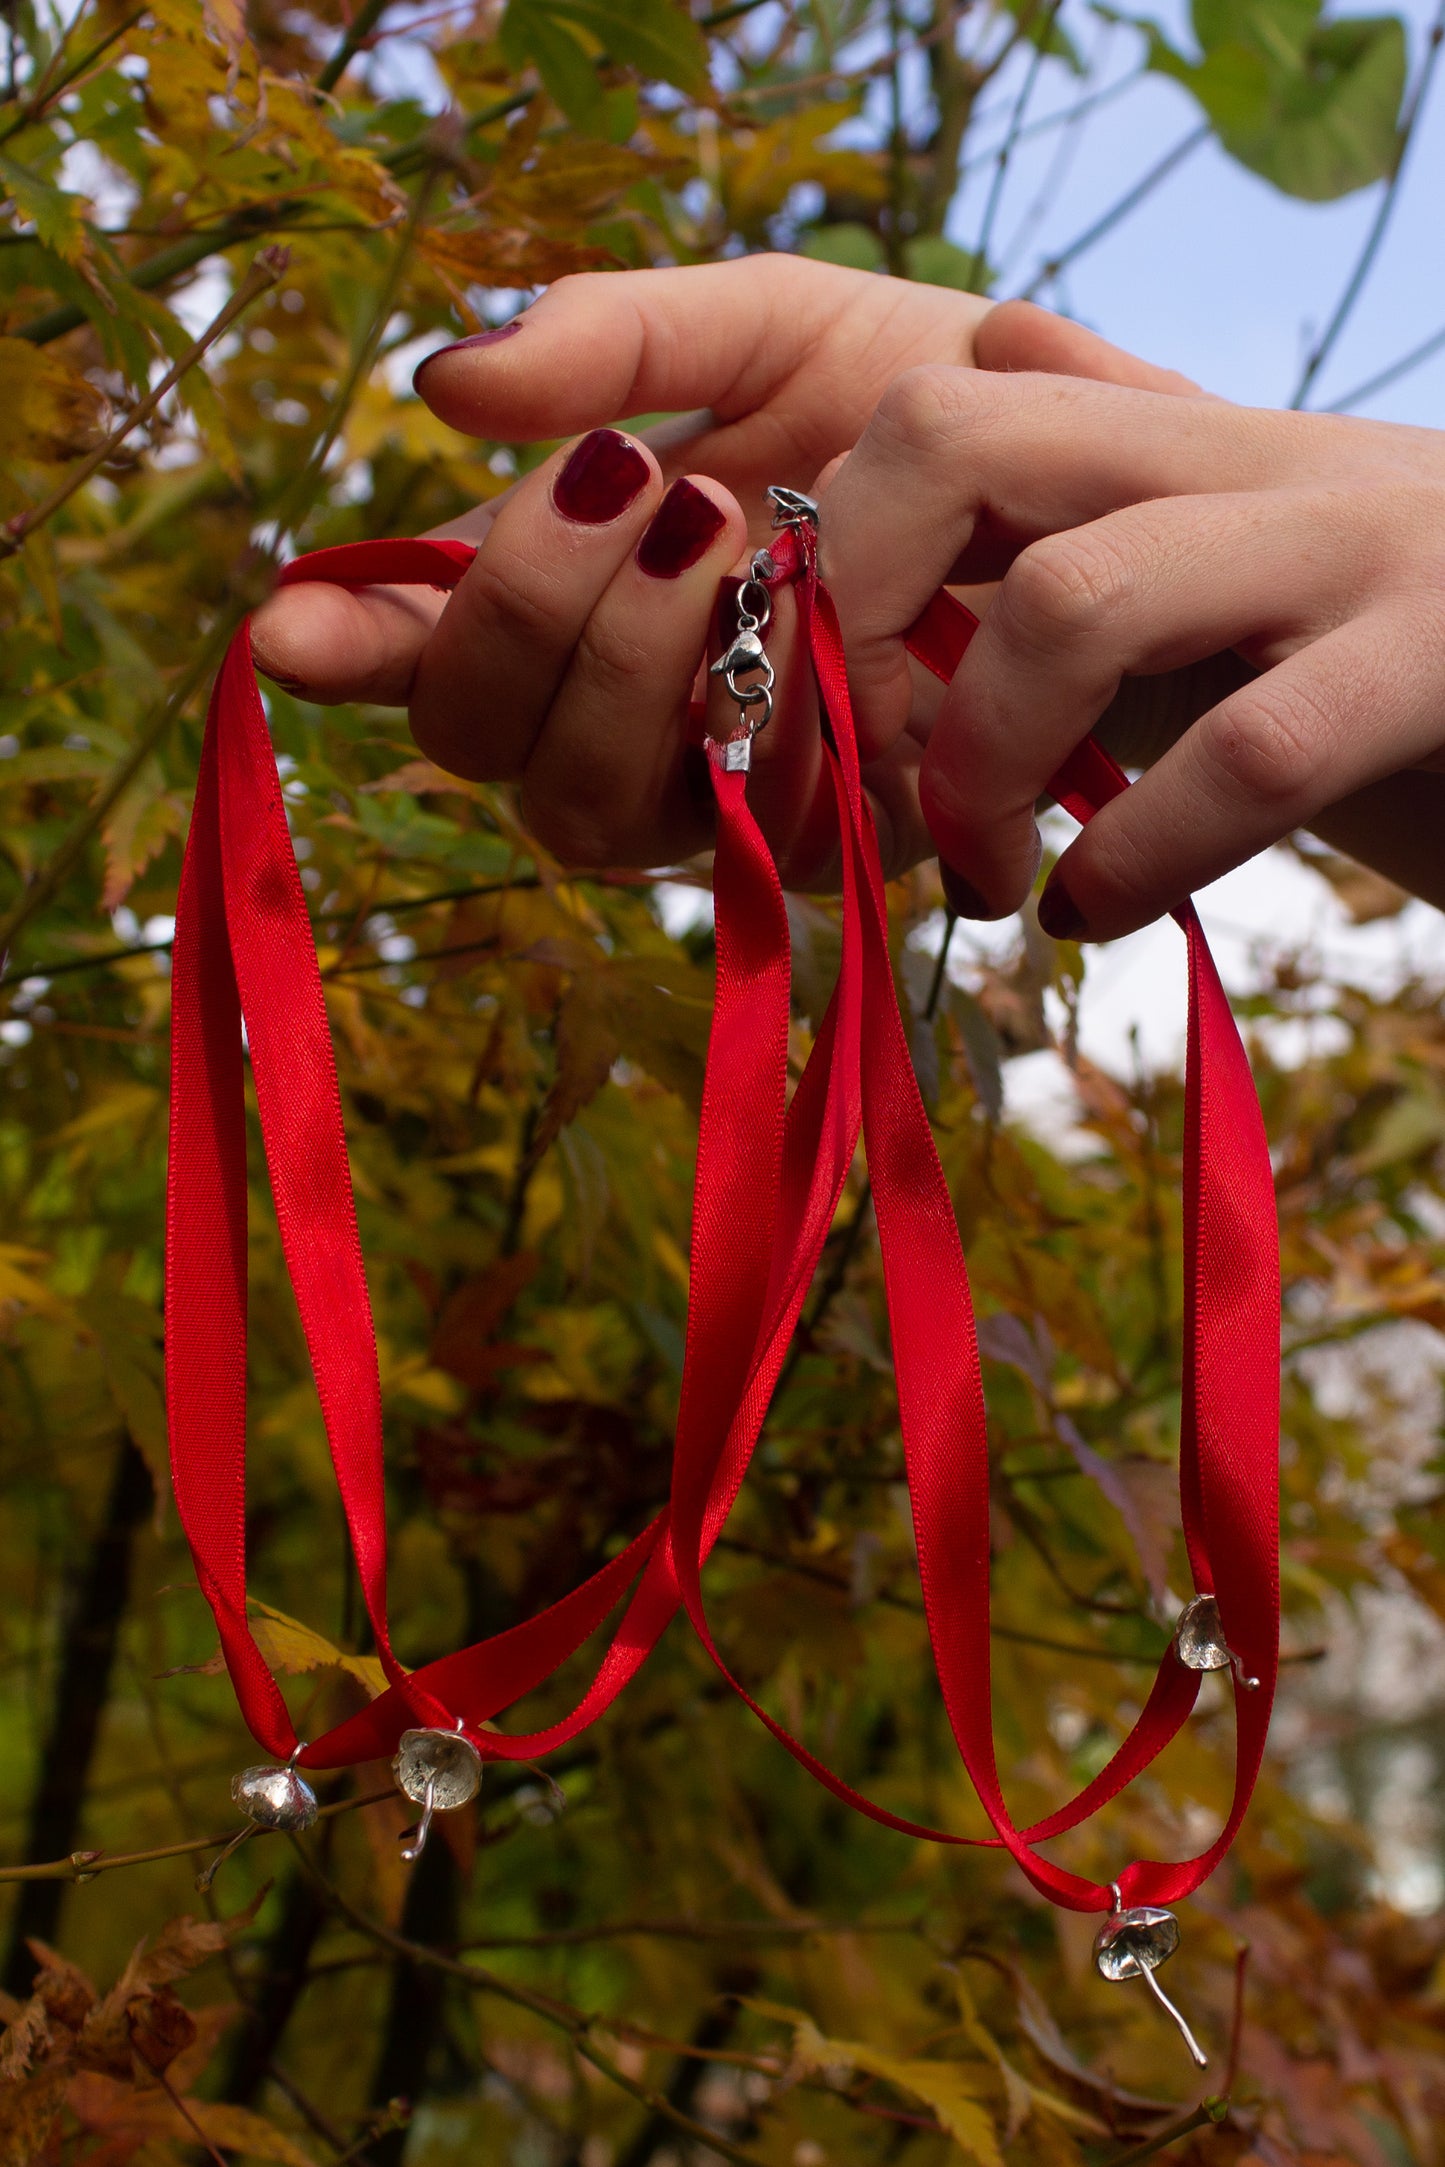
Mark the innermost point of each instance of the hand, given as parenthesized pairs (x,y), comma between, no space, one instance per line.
(1138,532)
(785,357)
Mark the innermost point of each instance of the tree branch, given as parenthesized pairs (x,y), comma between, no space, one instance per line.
(1365,261)
(1119,211)
(252,582)
(268,268)
(1386,377)
(576,2023)
(1005,152)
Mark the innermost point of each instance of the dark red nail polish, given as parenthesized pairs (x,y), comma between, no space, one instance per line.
(1059,915)
(684,527)
(460,346)
(962,898)
(600,480)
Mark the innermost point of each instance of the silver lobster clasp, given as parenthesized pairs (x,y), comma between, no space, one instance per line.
(745,653)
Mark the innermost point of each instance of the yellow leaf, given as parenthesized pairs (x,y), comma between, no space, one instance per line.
(951,2089)
(19,1285)
(294,1649)
(48,411)
(127,1102)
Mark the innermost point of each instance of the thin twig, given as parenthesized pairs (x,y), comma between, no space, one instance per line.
(569,1937)
(251,583)
(1006,149)
(183,2110)
(388,907)
(1119,211)
(576,2023)
(47,91)
(1365,261)
(1208,2112)
(358,31)
(268,268)
(1236,2025)
(85,1865)
(1386,377)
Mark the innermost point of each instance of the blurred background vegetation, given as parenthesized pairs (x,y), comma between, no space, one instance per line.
(692,1942)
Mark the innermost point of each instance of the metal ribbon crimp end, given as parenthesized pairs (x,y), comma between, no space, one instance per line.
(1200,1644)
(1132,1943)
(439,1771)
(791,508)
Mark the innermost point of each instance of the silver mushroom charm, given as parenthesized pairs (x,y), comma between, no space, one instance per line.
(439,1771)
(271,1796)
(1132,1943)
(1200,1644)
(275,1797)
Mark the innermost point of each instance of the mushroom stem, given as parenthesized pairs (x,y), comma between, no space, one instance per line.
(1195,2049)
(412,1850)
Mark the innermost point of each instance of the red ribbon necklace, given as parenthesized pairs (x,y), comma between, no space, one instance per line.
(767,1187)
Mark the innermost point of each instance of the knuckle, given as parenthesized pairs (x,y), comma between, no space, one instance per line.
(510,599)
(1066,588)
(611,664)
(1268,745)
(929,408)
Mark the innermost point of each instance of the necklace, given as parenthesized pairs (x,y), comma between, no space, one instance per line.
(771,1171)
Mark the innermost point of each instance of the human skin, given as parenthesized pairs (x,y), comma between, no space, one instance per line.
(1156,549)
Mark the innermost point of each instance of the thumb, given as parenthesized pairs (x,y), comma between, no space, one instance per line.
(603,346)
(1017,335)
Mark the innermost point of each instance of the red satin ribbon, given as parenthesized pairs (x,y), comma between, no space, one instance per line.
(768,1183)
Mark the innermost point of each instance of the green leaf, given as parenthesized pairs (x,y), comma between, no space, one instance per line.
(567,69)
(54,214)
(656,37)
(1311,106)
(943,263)
(858,248)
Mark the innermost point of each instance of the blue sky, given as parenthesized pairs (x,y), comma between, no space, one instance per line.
(1217,273)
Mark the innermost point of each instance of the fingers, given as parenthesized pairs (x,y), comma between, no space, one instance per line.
(959,470)
(331,644)
(608,782)
(1017,335)
(768,365)
(1142,592)
(503,644)
(1329,720)
(600,346)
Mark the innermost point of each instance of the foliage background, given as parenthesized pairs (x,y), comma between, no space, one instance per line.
(700,1942)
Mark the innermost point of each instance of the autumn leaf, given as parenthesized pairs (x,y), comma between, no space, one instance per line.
(950,2089)
(48,411)
(294,1649)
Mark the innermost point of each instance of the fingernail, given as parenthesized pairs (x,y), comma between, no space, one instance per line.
(1059,915)
(460,346)
(684,527)
(602,477)
(962,898)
